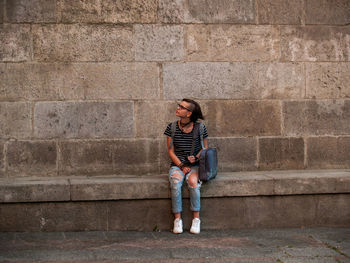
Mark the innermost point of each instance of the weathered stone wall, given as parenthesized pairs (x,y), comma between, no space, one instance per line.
(87,87)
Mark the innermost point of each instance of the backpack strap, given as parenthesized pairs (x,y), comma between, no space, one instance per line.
(201,132)
(196,130)
(173,129)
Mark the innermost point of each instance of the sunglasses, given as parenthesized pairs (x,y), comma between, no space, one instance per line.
(183,107)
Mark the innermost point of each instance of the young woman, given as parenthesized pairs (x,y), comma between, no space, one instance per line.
(184,166)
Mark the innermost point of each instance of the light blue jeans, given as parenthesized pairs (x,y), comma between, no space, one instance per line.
(176,190)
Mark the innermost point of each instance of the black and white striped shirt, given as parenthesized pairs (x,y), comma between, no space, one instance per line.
(183,142)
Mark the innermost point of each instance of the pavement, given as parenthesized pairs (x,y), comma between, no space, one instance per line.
(304,245)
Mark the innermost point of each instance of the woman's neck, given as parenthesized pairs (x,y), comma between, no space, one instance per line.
(185,121)
(185,125)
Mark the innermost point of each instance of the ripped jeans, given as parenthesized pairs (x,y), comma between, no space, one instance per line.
(176,190)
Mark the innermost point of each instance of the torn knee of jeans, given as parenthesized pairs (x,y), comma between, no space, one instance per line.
(194,186)
(175,179)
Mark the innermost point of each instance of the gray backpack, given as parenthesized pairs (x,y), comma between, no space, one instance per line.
(208,161)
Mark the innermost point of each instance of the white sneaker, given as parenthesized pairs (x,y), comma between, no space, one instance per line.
(177,226)
(196,226)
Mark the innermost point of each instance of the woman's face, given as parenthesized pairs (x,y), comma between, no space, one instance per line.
(183,110)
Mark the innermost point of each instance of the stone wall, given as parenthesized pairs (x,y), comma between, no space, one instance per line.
(87,87)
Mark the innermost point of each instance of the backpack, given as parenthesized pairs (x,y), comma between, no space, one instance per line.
(208,161)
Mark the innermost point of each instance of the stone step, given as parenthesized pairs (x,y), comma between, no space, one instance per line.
(233,200)
(83,188)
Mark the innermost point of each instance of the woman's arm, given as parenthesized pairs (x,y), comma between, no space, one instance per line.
(175,159)
(171,152)
(205,142)
(192,158)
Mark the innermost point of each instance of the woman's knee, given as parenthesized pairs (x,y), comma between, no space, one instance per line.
(193,180)
(176,178)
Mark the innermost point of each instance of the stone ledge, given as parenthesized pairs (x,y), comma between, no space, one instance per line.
(261,183)
(34,190)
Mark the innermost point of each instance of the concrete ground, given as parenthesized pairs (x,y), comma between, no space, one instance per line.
(321,245)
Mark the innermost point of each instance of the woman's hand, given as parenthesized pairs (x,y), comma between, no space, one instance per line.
(186,170)
(191,158)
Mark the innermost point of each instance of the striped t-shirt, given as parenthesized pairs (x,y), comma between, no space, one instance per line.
(183,142)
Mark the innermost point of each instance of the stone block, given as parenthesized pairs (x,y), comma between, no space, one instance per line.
(74,216)
(326,12)
(29,81)
(2,159)
(200,11)
(233,80)
(309,182)
(140,157)
(146,125)
(327,80)
(21,217)
(238,184)
(15,43)
(281,153)
(159,43)
(140,11)
(83,119)
(32,158)
(27,11)
(328,152)
(258,211)
(79,11)
(34,190)
(15,119)
(54,217)
(280,12)
(243,118)
(119,188)
(235,154)
(315,43)
(2,8)
(52,81)
(207,80)
(171,11)
(333,210)
(88,157)
(232,43)
(109,157)
(164,158)
(294,211)
(279,81)
(232,209)
(197,43)
(244,43)
(86,43)
(324,117)
(221,11)
(119,81)
(157,214)
(280,211)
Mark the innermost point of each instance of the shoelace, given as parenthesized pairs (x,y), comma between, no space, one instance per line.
(177,222)
(196,222)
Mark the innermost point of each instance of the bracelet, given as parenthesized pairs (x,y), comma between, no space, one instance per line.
(181,166)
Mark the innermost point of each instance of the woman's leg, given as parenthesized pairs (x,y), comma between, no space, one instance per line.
(194,188)
(195,214)
(176,178)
